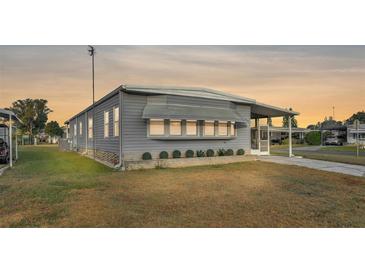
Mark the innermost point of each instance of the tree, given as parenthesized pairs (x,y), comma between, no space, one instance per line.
(313,138)
(53,129)
(269,121)
(33,113)
(359,115)
(313,127)
(294,122)
(330,123)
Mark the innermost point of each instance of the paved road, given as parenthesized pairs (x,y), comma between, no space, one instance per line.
(348,169)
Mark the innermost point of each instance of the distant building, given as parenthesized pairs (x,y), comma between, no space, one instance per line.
(351,134)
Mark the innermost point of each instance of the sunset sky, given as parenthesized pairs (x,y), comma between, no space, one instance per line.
(310,79)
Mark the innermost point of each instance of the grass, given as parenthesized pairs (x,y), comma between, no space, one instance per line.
(350,148)
(285,146)
(48,188)
(347,159)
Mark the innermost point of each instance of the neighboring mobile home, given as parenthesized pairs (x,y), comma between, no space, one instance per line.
(132,120)
(352,134)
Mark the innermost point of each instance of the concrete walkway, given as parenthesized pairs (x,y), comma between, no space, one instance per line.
(355,170)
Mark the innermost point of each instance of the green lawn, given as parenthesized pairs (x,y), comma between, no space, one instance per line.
(347,159)
(342,148)
(48,188)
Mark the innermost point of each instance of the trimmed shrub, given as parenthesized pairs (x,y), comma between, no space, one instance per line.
(164,155)
(241,151)
(200,153)
(176,154)
(147,156)
(189,153)
(221,152)
(313,138)
(210,153)
(229,152)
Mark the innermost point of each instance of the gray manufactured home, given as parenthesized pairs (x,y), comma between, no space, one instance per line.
(132,120)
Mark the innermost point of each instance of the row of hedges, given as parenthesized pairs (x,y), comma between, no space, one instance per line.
(199,153)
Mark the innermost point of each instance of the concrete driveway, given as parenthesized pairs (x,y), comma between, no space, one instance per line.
(317,150)
(348,169)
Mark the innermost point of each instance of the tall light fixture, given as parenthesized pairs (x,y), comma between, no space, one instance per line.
(92,53)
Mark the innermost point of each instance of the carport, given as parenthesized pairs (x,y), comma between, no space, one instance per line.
(260,134)
(8,130)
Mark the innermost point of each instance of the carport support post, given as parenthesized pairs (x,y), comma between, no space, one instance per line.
(258,135)
(290,139)
(16,145)
(11,141)
(268,136)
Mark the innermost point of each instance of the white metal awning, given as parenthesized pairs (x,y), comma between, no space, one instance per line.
(173,111)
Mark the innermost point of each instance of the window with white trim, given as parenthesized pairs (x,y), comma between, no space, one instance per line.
(175,127)
(116,121)
(157,127)
(191,128)
(106,124)
(222,128)
(80,128)
(208,128)
(233,130)
(90,127)
(75,130)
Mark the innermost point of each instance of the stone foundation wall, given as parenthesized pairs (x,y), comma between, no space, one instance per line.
(185,162)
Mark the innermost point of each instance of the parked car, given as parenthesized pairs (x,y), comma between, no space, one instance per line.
(333,142)
(4,152)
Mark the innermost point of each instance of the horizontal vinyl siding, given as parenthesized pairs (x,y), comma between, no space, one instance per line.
(109,144)
(81,139)
(134,131)
(73,134)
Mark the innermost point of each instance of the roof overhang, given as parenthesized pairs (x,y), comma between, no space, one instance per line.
(6,114)
(293,129)
(260,110)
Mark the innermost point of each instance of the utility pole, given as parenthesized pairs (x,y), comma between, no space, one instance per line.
(333,113)
(92,53)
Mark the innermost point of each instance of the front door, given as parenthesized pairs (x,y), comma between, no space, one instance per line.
(260,146)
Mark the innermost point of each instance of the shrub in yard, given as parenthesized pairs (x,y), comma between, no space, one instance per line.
(210,153)
(240,151)
(200,153)
(176,154)
(147,156)
(229,152)
(189,154)
(221,152)
(313,138)
(164,155)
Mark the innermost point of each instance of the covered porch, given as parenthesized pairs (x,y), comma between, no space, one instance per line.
(261,128)
(8,133)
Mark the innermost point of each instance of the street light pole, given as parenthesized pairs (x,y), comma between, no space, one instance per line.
(92,53)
